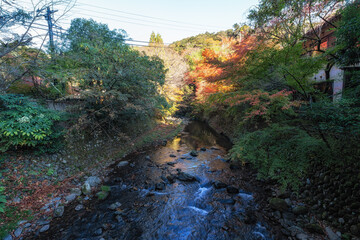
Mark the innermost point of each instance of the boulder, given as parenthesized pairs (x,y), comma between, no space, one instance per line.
(295,230)
(331,235)
(300,210)
(86,189)
(59,211)
(206,184)
(27,225)
(232,190)
(355,229)
(114,206)
(164,179)
(44,228)
(302,236)
(160,186)
(314,228)
(18,232)
(93,181)
(171,178)
(8,237)
(98,232)
(76,191)
(71,197)
(219,185)
(227,201)
(172,155)
(194,153)
(79,207)
(185,177)
(250,217)
(119,219)
(278,204)
(122,164)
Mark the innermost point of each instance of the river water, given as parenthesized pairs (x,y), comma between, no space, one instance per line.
(171,192)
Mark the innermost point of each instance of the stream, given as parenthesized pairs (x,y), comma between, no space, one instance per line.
(169,192)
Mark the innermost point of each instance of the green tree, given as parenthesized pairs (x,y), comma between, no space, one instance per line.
(152,39)
(155,39)
(348,36)
(119,84)
(15,61)
(158,39)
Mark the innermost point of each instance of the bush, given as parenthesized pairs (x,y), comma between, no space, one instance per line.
(338,125)
(282,153)
(24,123)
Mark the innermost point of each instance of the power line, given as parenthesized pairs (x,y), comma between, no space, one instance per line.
(43,27)
(190,25)
(125,40)
(131,40)
(148,46)
(144,16)
(137,19)
(142,24)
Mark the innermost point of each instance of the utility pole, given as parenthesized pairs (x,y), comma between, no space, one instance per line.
(48,17)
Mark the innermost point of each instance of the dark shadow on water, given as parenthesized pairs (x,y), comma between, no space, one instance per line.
(200,134)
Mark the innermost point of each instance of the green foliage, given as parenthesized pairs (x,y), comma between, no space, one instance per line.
(21,88)
(279,152)
(13,216)
(102,195)
(50,172)
(2,200)
(270,68)
(348,35)
(338,125)
(24,123)
(105,188)
(155,39)
(120,85)
(288,22)
(201,41)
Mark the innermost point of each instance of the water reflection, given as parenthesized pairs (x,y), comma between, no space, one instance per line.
(197,135)
(198,210)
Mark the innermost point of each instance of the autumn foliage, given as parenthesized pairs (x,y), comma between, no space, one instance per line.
(219,66)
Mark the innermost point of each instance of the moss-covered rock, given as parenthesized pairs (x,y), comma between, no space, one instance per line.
(278,204)
(314,228)
(300,210)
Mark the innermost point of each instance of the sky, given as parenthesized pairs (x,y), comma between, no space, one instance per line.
(172,19)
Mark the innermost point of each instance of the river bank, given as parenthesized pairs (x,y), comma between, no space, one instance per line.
(325,207)
(36,186)
(184,190)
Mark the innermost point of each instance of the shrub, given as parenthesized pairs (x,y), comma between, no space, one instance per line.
(24,123)
(2,200)
(338,125)
(282,153)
